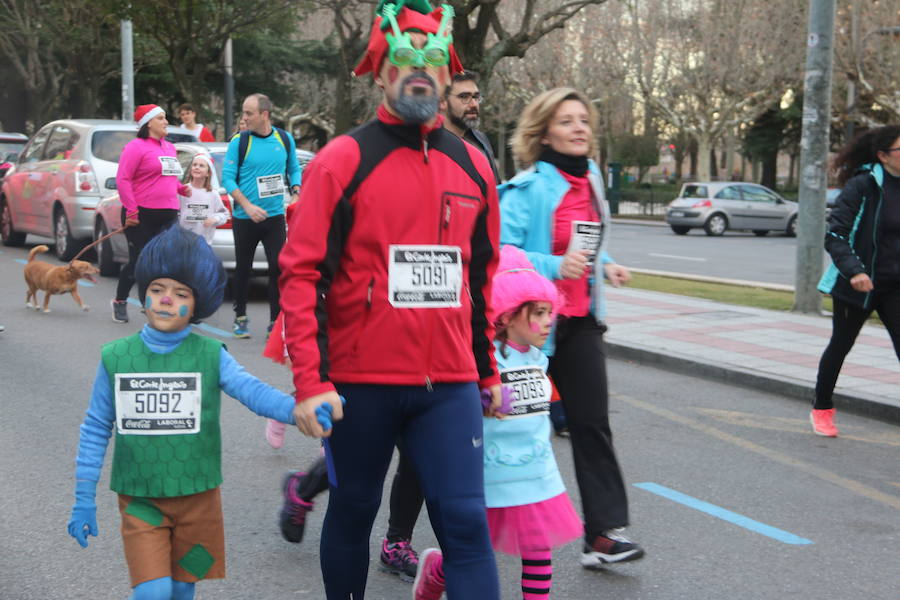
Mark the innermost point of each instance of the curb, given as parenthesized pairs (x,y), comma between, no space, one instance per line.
(858,403)
(778,287)
(648,222)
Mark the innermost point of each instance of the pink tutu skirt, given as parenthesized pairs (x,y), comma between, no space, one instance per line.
(539,526)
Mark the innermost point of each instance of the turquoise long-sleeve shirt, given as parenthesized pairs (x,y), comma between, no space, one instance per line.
(98,423)
(519,465)
(265,157)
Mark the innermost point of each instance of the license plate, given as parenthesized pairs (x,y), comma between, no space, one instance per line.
(676,213)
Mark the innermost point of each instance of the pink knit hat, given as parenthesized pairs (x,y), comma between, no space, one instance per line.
(517,282)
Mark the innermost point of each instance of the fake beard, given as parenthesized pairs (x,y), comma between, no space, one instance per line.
(415,109)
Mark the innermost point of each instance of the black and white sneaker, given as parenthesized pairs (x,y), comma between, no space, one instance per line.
(610,547)
(119,311)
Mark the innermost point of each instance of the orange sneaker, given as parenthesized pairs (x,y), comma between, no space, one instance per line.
(823,422)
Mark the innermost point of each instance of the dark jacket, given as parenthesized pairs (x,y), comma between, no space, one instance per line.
(480,141)
(851,237)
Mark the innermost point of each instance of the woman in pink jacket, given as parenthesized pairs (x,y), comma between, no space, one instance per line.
(149,182)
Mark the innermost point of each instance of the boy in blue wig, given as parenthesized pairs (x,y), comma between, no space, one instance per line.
(160,388)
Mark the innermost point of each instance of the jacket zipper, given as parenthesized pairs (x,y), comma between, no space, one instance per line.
(868,299)
(429,317)
(365,316)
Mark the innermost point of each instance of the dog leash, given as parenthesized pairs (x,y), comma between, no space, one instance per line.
(94,243)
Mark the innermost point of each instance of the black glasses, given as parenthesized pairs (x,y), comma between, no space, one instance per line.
(467,97)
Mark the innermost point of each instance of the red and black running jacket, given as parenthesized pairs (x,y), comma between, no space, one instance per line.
(388,183)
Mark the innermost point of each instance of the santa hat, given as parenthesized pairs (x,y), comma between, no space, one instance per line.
(407,19)
(145,112)
(517,282)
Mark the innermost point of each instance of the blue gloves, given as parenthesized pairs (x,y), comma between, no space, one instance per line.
(84,514)
(324,412)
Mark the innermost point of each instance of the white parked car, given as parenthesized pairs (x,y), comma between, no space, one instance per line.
(61,174)
(722,205)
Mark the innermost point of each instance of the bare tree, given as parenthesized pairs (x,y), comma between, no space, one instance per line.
(866,60)
(484,33)
(717,64)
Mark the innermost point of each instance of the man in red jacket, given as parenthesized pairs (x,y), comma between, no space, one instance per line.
(384,287)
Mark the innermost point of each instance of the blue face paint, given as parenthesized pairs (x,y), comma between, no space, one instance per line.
(182,311)
(148,302)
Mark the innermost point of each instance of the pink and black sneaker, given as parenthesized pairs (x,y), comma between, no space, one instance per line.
(400,559)
(429,583)
(292,517)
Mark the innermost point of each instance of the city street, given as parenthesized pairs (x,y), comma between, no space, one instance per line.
(731,494)
(735,255)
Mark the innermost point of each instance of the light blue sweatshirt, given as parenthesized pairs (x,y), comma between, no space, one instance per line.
(528,203)
(98,424)
(265,156)
(519,466)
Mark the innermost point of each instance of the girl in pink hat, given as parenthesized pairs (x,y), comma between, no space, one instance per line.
(529,511)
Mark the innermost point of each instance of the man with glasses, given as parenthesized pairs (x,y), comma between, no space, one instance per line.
(462,108)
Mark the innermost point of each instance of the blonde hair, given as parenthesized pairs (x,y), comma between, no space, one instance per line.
(188,179)
(535,120)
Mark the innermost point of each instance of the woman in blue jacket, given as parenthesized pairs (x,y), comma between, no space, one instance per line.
(863,239)
(556,212)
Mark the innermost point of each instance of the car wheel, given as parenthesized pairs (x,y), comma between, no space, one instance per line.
(791,230)
(680,229)
(760,232)
(10,236)
(716,224)
(66,245)
(108,267)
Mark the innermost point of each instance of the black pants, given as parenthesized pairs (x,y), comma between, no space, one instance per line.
(846,322)
(406,496)
(151,222)
(247,236)
(406,501)
(578,368)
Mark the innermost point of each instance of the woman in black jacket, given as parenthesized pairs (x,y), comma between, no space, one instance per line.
(863,239)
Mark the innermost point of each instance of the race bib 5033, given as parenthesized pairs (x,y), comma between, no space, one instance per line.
(532,390)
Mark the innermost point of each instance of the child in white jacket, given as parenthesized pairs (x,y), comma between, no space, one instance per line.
(203,211)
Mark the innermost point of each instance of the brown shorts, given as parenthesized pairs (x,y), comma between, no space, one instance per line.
(182,538)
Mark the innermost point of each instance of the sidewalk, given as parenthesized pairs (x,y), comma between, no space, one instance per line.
(772,351)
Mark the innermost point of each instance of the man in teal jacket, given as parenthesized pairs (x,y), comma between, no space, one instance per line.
(259,165)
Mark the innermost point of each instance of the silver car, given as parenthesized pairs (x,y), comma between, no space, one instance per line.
(721,206)
(113,253)
(61,174)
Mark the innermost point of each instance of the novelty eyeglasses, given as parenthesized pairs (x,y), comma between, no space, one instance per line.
(436,52)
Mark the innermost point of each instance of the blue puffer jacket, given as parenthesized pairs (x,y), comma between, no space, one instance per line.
(528,202)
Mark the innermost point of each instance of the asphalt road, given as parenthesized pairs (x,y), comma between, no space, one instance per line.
(735,255)
(735,449)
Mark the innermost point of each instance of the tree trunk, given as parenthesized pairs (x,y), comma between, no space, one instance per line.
(754,174)
(713,162)
(769,170)
(792,170)
(729,156)
(501,150)
(704,154)
(692,153)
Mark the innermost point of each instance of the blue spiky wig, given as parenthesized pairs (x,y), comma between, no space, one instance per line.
(184,256)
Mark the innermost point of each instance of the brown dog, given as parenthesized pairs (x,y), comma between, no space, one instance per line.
(55,280)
